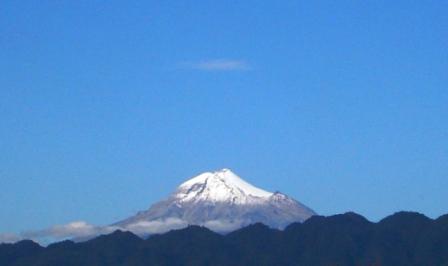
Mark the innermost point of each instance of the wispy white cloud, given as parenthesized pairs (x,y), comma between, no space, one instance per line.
(222,225)
(77,229)
(9,238)
(156,227)
(218,65)
(80,230)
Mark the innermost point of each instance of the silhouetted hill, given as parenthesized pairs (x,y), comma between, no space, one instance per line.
(9,253)
(405,238)
(255,244)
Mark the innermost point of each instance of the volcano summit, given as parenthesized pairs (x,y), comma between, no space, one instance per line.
(221,201)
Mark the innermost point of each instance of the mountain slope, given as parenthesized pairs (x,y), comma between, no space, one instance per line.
(221,201)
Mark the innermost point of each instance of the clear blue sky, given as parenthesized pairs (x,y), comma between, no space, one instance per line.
(106,106)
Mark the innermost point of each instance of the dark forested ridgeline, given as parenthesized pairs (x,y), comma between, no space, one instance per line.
(404,238)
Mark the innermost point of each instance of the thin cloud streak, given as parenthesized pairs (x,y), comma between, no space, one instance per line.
(157,226)
(77,229)
(80,230)
(218,65)
(9,238)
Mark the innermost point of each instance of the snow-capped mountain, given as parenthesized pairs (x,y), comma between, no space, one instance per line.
(221,201)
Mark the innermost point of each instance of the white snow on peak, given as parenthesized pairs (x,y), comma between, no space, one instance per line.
(218,186)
